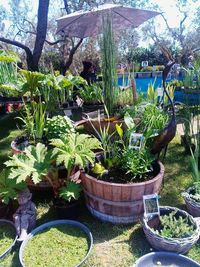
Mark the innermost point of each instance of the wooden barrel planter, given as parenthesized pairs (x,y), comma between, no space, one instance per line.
(119,203)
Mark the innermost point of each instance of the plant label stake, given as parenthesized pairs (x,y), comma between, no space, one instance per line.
(136,141)
(151,205)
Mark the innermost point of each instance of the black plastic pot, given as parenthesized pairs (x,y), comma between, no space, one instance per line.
(54,223)
(3,210)
(67,210)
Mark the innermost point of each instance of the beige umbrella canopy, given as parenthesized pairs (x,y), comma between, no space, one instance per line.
(84,24)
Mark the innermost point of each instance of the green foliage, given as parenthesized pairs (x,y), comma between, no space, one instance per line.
(57,126)
(70,191)
(9,188)
(136,163)
(170,89)
(8,70)
(34,119)
(75,150)
(108,64)
(92,94)
(195,156)
(152,93)
(173,226)
(104,135)
(153,120)
(123,97)
(35,163)
(31,81)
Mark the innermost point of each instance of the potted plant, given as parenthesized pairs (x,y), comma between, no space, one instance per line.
(173,230)
(72,151)
(67,203)
(92,96)
(115,186)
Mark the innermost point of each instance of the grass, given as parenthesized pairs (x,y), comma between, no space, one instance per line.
(114,245)
(7,236)
(67,241)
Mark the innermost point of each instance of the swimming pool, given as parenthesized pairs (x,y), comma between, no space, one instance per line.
(142,83)
(142,86)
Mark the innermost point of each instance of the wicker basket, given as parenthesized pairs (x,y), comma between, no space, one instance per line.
(178,245)
(193,206)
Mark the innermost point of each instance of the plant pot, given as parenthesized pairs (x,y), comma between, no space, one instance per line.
(67,210)
(119,203)
(156,259)
(87,107)
(53,224)
(9,248)
(177,245)
(96,124)
(193,206)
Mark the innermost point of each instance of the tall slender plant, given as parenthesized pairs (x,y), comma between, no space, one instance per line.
(109,63)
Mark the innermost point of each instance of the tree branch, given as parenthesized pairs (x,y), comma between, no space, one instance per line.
(66,6)
(71,55)
(54,43)
(16,43)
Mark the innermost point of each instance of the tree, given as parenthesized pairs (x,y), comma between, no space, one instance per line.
(33,57)
(184,38)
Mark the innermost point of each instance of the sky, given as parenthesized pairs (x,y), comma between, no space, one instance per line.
(168,6)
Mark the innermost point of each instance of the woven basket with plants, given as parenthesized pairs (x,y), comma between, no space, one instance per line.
(174,230)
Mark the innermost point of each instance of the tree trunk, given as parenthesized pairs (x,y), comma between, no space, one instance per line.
(41,32)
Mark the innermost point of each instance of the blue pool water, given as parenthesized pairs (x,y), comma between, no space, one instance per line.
(179,96)
(142,83)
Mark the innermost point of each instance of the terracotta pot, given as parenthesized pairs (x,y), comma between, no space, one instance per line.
(119,203)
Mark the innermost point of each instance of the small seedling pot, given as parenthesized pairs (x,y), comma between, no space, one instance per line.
(11,224)
(52,224)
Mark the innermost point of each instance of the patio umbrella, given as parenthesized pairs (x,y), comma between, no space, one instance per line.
(84,24)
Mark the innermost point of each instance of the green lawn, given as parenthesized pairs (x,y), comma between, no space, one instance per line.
(114,245)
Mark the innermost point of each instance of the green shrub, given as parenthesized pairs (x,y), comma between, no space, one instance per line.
(57,126)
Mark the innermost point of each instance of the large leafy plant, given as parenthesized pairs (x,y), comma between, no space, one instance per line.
(75,150)
(34,163)
(9,188)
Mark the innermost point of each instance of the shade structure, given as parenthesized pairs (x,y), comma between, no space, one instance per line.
(84,24)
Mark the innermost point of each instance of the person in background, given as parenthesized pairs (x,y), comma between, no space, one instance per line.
(88,72)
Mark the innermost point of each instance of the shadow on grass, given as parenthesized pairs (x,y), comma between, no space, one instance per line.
(139,245)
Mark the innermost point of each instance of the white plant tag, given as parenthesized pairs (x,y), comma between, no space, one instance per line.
(151,205)
(136,140)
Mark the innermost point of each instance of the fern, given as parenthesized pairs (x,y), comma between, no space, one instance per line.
(35,163)
(75,150)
